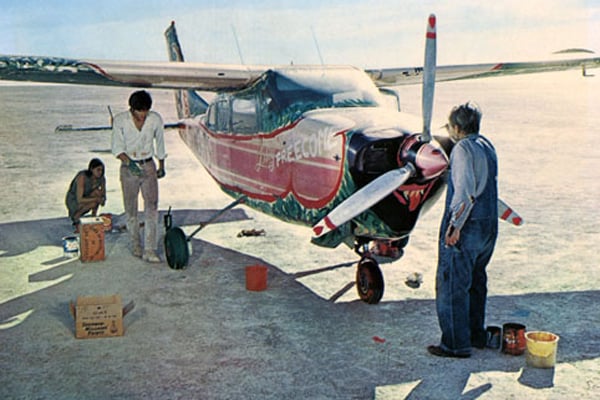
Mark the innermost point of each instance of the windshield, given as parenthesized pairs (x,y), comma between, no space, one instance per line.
(327,87)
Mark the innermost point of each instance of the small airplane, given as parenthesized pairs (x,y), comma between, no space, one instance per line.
(321,146)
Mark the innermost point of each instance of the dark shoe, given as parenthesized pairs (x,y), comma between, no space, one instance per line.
(439,352)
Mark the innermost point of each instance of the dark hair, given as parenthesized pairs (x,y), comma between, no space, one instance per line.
(94,163)
(140,101)
(466,117)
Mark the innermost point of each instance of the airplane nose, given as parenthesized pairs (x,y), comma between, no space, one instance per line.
(430,161)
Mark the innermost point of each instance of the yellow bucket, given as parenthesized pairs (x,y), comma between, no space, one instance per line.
(541,349)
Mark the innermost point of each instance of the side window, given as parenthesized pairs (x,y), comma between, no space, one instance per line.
(244,117)
(212,117)
(223,116)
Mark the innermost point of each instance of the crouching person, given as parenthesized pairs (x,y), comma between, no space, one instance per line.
(87,192)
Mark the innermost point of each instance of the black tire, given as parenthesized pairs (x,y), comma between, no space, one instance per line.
(369,281)
(176,248)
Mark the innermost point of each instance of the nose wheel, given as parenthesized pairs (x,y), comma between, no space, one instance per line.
(369,281)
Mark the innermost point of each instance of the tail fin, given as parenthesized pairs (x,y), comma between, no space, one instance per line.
(188,102)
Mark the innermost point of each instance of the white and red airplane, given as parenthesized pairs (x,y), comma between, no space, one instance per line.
(313,145)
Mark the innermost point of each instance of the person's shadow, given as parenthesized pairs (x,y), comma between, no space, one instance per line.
(24,236)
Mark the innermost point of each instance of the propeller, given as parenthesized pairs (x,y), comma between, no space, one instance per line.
(384,185)
(506,213)
(363,199)
(429,77)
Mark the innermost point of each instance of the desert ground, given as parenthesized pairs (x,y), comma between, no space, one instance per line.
(197,333)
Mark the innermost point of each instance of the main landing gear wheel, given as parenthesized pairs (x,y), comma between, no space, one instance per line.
(176,248)
(369,281)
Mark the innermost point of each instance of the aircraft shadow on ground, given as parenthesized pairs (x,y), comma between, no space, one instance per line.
(24,236)
(562,313)
(406,324)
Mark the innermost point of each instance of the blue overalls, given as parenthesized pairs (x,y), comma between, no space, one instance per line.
(461,281)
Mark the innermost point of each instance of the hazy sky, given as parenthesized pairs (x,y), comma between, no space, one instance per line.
(381,33)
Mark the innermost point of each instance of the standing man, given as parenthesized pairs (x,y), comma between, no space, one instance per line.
(468,235)
(137,137)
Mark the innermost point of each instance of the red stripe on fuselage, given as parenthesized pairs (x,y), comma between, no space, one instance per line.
(269,167)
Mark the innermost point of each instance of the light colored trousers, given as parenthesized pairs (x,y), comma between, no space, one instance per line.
(131,186)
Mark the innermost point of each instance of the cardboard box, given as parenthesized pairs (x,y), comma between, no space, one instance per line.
(99,316)
(92,239)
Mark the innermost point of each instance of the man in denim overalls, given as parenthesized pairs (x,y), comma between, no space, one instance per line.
(467,236)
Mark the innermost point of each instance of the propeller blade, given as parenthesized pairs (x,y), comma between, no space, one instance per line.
(506,213)
(429,77)
(363,199)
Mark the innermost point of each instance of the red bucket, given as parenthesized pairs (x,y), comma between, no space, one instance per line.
(513,339)
(256,277)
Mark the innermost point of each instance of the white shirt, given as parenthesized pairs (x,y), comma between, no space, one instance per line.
(138,144)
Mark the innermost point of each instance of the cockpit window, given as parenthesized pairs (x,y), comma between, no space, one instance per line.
(243,116)
(326,88)
(283,95)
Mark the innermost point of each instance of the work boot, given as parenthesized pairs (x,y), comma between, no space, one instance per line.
(151,256)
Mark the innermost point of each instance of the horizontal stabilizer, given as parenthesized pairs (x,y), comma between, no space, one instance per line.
(71,128)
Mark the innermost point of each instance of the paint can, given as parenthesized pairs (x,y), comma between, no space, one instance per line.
(541,349)
(513,339)
(70,247)
(493,334)
(256,277)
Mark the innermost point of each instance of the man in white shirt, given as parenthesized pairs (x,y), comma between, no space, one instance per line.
(138,137)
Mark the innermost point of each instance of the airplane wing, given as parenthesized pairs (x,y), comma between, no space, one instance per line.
(163,75)
(409,76)
(215,77)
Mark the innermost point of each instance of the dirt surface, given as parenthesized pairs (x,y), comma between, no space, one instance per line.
(199,334)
